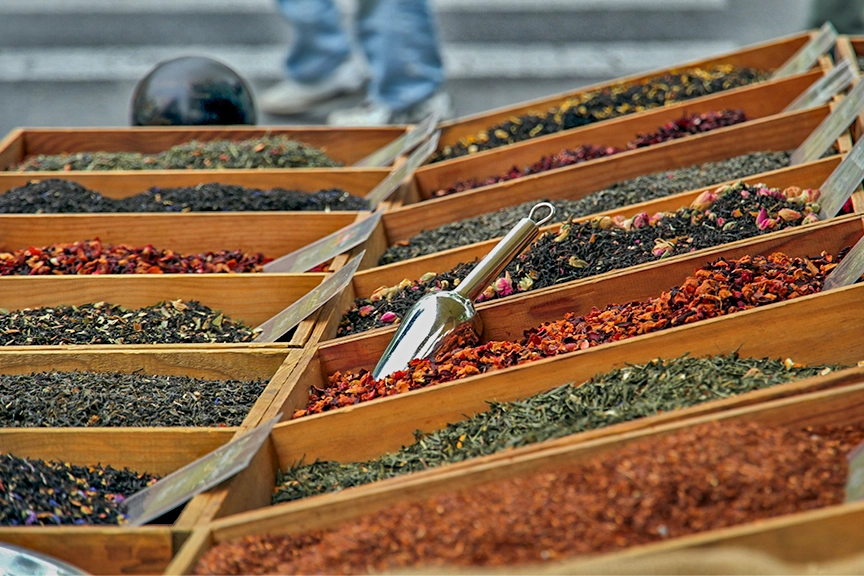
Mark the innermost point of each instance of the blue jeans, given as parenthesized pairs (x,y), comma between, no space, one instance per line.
(397,36)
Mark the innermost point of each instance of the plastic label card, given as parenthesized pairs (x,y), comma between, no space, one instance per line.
(850,269)
(395,178)
(809,54)
(855,480)
(326,248)
(284,321)
(200,475)
(401,145)
(842,182)
(827,133)
(820,92)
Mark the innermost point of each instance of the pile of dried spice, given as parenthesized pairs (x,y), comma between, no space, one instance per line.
(53,196)
(91,399)
(94,257)
(264,152)
(722,474)
(610,102)
(174,322)
(38,493)
(685,126)
(637,391)
(640,189)
(719,288)
(583,249)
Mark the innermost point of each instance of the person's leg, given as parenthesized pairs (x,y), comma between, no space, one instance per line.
(401,45)
(320,65)
(320,44)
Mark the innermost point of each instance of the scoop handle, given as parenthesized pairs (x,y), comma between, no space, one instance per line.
(497,259)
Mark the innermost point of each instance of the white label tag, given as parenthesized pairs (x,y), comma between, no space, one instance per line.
(326,248)
(850,269)
(827,133)
(194,478)
(401,145)
(806,57)
(842,182)
(855,480)
(820,92)
(284,321)
(395,178)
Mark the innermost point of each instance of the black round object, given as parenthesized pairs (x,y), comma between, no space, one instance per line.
(192,91)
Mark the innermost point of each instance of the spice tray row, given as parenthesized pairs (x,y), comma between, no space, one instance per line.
(764,56)
(775,133)
(818,535)
(344,145)
(248,298)
(756,102)
(367,282)
(375,427)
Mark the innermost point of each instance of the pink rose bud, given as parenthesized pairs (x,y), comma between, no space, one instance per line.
(366,310)
(789,215)
(388,317)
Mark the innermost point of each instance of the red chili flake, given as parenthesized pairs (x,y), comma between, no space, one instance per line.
(94,257)
(720,288)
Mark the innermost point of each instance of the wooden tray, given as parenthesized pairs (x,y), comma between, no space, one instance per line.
(252,298)
(109,549)
(765,56)
(809,175)
(783,132)
(347,145)
(838,405)
(375,427)
(757,101)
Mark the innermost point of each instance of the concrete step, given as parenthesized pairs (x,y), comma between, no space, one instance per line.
(26,23)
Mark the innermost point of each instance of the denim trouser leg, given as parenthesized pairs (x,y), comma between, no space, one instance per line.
(320,43)
(399,39)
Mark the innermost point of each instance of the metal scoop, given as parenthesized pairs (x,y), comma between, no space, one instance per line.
(438,322)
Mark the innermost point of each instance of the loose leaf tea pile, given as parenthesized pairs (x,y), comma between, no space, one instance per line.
(94,257)
(35,492)
(697,479)
(621,395)
(694,124)
(583,249)
(96,399)
(717,289)
(264,152)
(53,196)
(640,189)
(175,322)
(611,102)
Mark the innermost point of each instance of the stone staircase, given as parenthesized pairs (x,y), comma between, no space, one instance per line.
(76,62)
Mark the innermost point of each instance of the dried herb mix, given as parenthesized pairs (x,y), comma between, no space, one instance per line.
(580,250)
(694,480)
(94,257)
(264,152)
(174,322)
(101,399)
(722,287)
(640,189)
(38,493)
(637,391)
(672,130)
(610,102)
(54,196)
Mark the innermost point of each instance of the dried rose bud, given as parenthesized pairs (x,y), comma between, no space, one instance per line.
(704,200)
(789,215)
(366,310)
(388,317)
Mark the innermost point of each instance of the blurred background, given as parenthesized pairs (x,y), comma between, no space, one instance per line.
(76,62)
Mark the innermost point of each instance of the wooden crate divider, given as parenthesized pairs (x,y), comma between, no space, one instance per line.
(109,549)
(347,145)
(839,404)
(782,132)
(765,56)
(758,101)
